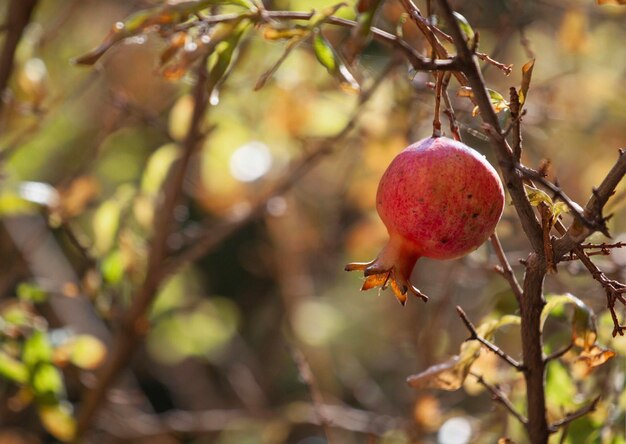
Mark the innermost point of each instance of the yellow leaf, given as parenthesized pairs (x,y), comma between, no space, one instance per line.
(58,420)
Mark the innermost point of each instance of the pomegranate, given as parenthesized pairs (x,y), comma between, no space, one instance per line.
(438,198)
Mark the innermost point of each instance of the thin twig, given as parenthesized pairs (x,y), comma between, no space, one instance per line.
(554,427)
(306,374)
(578,232)
(499,396)
(418,61)
(490,346)
(507,271)
(557,354)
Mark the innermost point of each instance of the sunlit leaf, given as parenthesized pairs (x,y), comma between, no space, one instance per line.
(12,369)
(497,100)
(47,382)
(331,60)
(465,26)
(105,223)
(158,166)
(84,351)
(537,196)
(527,73)
(595,356)
(223,57)
(58,420)
(37,349)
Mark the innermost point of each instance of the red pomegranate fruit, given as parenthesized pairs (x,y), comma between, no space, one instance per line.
(438,198)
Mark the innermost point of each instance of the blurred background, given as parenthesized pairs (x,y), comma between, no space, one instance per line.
(266,339)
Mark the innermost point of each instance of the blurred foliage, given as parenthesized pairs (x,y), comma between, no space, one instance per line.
(89,150)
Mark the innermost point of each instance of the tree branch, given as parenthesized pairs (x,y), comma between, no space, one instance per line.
(554,427)
(135,324)
(577,232)
(490,346)
(499,396)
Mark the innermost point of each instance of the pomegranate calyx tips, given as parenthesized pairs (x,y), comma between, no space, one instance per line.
(376,276)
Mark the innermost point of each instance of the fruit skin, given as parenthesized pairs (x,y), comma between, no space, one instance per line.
(439,199)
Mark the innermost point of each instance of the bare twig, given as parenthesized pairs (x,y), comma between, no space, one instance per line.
(499,396)
(554,427)
(506,269)
(604,246)
(614,290)
(557,354)
(578,232)
(490,346)
(306,374)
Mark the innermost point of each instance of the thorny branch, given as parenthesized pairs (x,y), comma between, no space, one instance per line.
(489,345)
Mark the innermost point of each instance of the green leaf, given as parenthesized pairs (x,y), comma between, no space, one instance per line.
(46,382)
(329,58)
(223,58)
(30,292)
(537,196)
(158,167)
(465,26)
(58,420)
(12,369)
(324,53)
(106,221)
(37,349)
